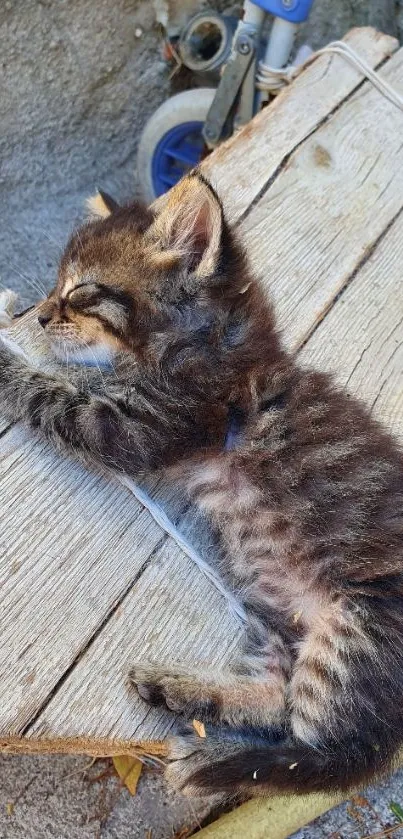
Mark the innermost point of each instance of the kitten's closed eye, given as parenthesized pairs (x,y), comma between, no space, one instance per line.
(111,307)
(84,294)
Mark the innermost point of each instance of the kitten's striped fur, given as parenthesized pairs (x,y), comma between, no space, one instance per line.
(308,504)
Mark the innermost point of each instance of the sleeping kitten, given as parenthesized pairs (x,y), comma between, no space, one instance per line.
(305,489)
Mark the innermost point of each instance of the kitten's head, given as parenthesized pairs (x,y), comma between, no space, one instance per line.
(131,273)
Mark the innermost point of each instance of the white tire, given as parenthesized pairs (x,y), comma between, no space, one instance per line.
(189,106)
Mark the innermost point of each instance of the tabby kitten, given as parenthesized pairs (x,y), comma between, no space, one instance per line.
(307,495)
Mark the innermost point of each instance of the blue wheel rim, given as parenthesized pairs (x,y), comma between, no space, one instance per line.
(179,150)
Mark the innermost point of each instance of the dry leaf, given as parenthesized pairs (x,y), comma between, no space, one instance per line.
(199,728)
(10,808)
(354,813)
(183,833)
(129,770)
(360,801)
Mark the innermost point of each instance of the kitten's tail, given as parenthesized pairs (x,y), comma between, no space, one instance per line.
(252,766)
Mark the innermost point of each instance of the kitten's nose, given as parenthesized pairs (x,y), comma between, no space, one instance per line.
(44,319)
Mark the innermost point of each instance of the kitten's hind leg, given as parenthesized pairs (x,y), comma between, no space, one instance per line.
(188,754)
(253,693)
(195,764)
(215,696)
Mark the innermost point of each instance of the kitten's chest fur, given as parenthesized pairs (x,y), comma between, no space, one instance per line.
(257,536)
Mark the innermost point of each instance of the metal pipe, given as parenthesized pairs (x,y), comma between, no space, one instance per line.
(280,44)
(253,15)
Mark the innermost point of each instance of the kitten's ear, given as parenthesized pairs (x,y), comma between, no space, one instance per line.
(101,205)
(189,225)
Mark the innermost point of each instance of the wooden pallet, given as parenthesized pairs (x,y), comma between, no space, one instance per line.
(314,186)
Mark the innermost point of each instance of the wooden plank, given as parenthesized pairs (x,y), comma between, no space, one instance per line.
(361,339)
(71,544)
(63,607)
(59,590)
(326,210)
(172,613)
(243,166)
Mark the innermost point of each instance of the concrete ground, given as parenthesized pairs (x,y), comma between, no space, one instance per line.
(68,798)
(79,80)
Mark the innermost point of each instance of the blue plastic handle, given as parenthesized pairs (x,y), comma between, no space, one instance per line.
(295,11)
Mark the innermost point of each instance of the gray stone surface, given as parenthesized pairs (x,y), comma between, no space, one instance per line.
(79,80)
(365,815)
(67,798)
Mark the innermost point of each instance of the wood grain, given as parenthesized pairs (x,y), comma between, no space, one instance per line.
(71,544)
(243,166)
(361,339)
(173,613)
(89,581)
(326,210)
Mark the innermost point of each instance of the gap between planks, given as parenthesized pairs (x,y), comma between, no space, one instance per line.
(328,209)
(320,90)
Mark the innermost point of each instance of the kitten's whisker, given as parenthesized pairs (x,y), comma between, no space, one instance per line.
(67,359)
(88,347)
(59,245)
(35,284)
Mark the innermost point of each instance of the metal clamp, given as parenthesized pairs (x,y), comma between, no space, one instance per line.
(244,50)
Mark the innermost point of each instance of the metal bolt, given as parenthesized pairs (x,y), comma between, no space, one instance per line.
(243,46)
(288,4)
(210,133)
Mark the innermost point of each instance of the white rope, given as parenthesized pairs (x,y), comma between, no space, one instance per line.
(273,80)
(270,80)
(170,528)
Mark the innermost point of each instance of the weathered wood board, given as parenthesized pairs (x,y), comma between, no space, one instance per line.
(361,339)
(89,581)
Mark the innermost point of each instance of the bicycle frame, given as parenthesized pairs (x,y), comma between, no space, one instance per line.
(236,91)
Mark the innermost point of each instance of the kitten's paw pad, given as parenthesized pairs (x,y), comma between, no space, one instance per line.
(8,300)
(157,686)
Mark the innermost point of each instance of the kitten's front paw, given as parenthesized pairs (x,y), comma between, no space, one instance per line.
(10,350)
(8,301)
